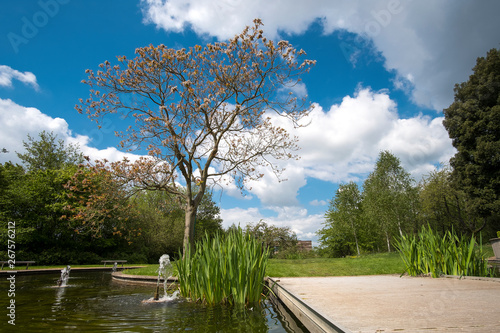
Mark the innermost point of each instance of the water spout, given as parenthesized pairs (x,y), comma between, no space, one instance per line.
(165,270)
(63,280)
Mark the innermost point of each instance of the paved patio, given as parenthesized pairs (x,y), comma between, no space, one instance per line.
(389,303)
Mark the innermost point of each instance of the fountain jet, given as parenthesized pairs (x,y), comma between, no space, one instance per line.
(165,270)
(63,280)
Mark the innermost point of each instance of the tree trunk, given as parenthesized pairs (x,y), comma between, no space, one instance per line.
(388,242)
(357,245)
(355,237)
(189,226)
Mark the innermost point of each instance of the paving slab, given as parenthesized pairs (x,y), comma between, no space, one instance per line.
(390,303)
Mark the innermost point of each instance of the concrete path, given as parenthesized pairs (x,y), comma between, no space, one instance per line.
(388,303)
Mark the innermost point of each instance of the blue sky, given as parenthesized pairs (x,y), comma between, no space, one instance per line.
(385,71)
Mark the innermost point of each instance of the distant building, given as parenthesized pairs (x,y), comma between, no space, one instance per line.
(305,245)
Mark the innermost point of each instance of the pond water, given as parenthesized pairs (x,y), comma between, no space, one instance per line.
(93,302)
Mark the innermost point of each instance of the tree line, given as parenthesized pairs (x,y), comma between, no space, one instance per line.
(389,204)
(68,211)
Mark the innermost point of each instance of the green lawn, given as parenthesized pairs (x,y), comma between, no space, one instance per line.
(383,263)
(372,264)
(148,270)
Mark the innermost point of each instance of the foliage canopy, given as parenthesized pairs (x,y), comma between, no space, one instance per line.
(473,124)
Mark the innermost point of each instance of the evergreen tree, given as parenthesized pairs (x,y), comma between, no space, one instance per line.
(473,123)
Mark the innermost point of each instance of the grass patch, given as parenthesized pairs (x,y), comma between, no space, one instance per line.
(373,264)
(149,270)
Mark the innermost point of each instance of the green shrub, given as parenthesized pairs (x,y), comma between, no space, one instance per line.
(136,258)
(62,257)
(224,270)
(430,253)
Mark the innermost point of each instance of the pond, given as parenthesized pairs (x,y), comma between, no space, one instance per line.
(94,302)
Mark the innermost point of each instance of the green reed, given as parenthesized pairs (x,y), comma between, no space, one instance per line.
(224,270)
(450,254)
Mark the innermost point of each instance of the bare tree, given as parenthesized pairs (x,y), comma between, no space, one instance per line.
(201,113)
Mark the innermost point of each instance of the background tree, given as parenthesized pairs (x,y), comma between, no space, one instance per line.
(443,207)
(473,124)
(200,113)
(281,240)
(162,222)
(35,201)
(34,198)
(389,198)
(344,227)
(49,153)
(208,220)
(97,205)
(12,202)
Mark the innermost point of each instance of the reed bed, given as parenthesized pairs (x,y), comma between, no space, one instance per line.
(430,253)
(226,270)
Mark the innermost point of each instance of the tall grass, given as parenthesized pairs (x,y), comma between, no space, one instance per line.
(224,270)
(430,253)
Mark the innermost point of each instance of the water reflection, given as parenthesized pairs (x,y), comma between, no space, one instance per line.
(56,307)
(93,302)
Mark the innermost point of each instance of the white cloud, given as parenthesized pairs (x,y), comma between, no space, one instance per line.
(343,143)
(298,219)
(240,216)
(317,202)
(305,225)
(8,74)
(225,18)
(433,42)
(419,142)
(279,192)
(19,121)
